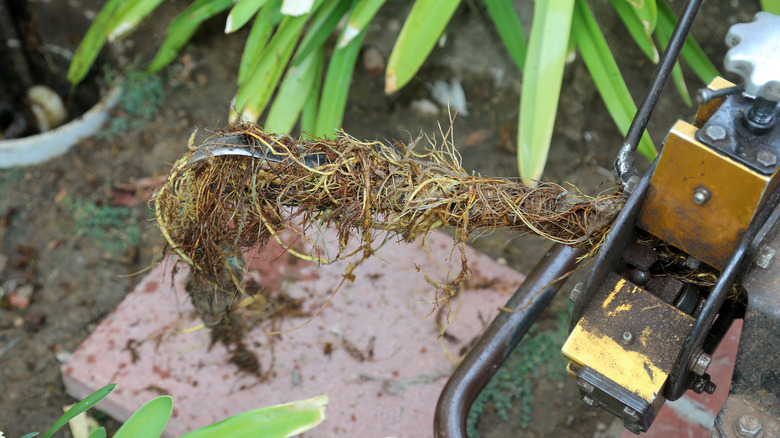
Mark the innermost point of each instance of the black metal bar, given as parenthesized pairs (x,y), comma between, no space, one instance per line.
(624,165)
(679,381)
(500,338)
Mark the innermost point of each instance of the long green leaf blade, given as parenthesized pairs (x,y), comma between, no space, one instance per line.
(128,16)
(543,73)
(279,421)
(83,405)
(361,15)
(772,6)
(183,26)
(256,41)
(677,73)
(321,27)
(292,95)
(241,13)
(509,27)
(333,101)
(636,29)
(253,95)
(93,41)
(100,432)
(309,112)
(605,73)
(421,30)
(149,421)
(691,52)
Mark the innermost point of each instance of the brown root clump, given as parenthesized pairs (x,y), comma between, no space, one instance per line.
(214,206)
(213,209)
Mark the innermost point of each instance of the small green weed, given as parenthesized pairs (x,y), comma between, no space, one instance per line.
(114,229)
(539,354)
(141,96)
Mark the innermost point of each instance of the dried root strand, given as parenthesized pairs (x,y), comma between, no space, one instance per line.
(212,210)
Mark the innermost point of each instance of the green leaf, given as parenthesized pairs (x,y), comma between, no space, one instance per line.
(321,26)
(149,421)
(93,41)
(333,101)
(309,112)
(100,432)
(422,28)
(605,73)
(83,405)
(361,15)
(772,6)
(255,43)
(255,93)
(241,13)
(542,77)
(677,73)
(691,52)
(278,421)
(183,26)
(509,28)
(638,31)
(30,435)
(128,16)
(293,93)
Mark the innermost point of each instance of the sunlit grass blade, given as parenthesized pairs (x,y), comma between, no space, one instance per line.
(542,75)
(183,26)
(296,8)
(333,100)
(691,52)
(509,27)
(78,408)
(422,28)
(255,93)
(361,15)
(279,421)
(605,73)
(100,432)
(636,29)
(148,421)
(309,112)
(677,73)
(772,6)
(293,92)
(242,12)
(128,16)
(90,45)
(261,31)
(321,27)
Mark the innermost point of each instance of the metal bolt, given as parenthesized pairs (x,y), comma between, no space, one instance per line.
(632,413)
(630,185)
(585,385)
(715,132)
(627,338)
(766,158)
(692,263)
(590,401)
(749,426)
(765,256)
(576,292)
(701,195)
(639,276)
(701,364)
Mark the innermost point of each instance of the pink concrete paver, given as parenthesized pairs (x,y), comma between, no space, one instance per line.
(145,348)
(693,415)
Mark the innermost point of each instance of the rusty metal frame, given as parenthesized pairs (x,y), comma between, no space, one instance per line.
(501,337)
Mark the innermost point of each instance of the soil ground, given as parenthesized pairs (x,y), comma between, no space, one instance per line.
(47,239)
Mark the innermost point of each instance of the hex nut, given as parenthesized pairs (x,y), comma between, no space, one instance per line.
(701,364)
(576,292)
(590,401)
(765,255)
(766,158)
(749,426)
(715,132)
